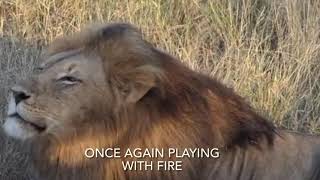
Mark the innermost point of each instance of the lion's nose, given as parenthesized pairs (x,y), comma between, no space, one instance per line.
(20,94)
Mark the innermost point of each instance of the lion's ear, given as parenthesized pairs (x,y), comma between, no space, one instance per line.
(133,84)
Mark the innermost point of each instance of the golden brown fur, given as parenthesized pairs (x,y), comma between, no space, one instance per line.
(148,99)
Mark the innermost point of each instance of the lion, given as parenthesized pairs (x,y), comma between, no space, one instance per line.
(108,87)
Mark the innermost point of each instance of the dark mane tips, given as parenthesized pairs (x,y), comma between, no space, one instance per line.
(220,107)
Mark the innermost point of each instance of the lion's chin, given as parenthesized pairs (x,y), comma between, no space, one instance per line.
(18,128)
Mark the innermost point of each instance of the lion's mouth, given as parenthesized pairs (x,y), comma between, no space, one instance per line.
(36,126)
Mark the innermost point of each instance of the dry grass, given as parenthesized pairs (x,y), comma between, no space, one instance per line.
(268,50)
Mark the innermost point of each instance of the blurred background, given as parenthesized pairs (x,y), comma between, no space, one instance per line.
(267,50)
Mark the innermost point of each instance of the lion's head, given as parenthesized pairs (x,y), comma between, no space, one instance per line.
(108,87)
(81,85)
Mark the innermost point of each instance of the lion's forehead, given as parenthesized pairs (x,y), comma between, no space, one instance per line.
(76,63)
(49,60)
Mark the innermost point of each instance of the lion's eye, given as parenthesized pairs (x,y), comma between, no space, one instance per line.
(69,80)
(39,69)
